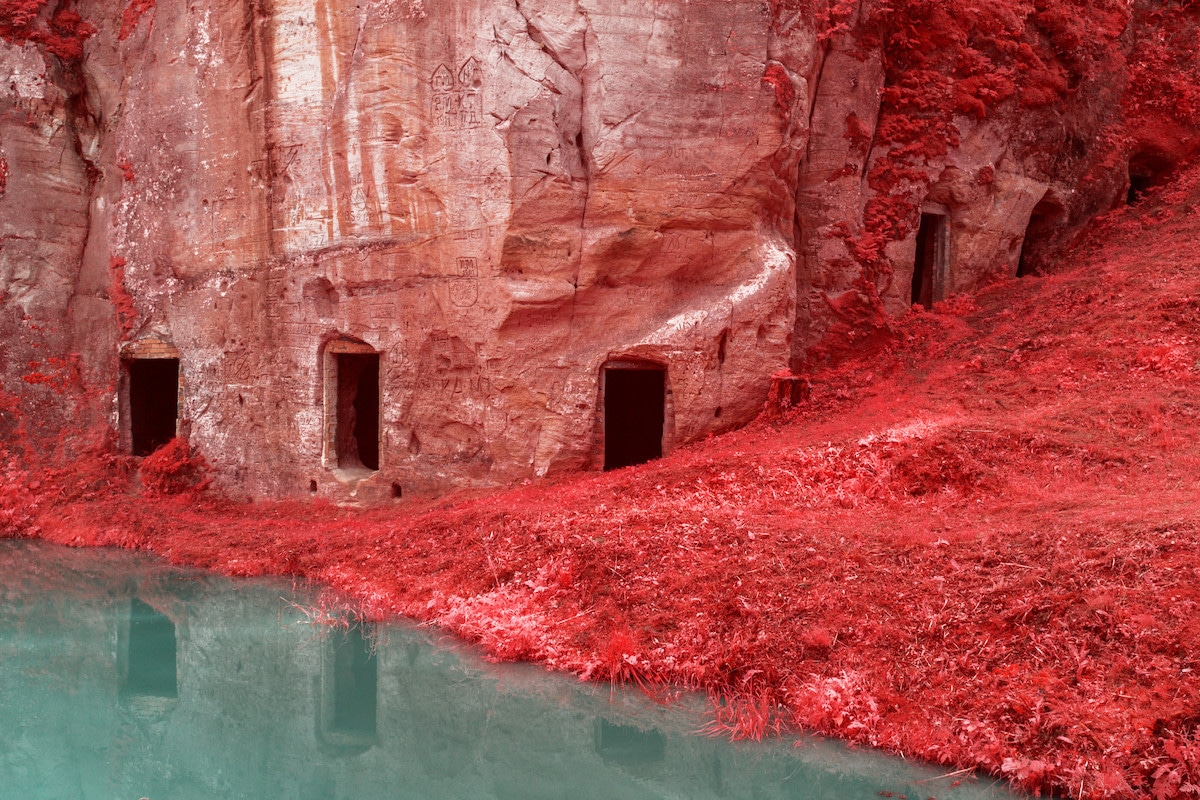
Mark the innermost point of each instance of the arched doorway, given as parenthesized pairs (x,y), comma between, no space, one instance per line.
(1045,221)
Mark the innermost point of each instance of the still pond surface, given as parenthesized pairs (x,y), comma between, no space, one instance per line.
(122,678)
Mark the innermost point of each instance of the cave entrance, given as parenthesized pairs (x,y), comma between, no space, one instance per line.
(634,413)
(1138,186)
(929,265)
(150,400)
(1147,168)
(148,663)
(1045,221)
(352,405)
(350,677)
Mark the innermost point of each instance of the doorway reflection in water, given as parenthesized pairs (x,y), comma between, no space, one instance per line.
(147,644)
(350,687)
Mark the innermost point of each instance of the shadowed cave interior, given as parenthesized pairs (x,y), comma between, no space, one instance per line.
(634,412)
(153,402)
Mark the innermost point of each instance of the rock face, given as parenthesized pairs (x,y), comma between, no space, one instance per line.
(398,248)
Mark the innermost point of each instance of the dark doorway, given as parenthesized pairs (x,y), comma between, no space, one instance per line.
(926,265)
(153,402)
(355,683)
(150,655)
(1138,186)
(358,410)
(1045,223)
(1147,170)
(634,412)
(629,746)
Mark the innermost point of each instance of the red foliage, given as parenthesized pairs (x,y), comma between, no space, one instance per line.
(174,469)
(1162,106)
(61,375)
(785,93)
(1180,772)
(63,34)
(18,502)
(132,15)
(126,167)
(119,296)
(18,19)
(66,34)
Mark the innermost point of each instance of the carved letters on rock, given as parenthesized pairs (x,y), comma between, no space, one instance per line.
(456,103)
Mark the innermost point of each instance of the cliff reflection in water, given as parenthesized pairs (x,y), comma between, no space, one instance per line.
(122,678)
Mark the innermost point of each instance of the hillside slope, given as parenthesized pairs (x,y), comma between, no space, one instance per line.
(974,543)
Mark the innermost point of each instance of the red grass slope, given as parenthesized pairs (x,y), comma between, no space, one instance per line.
(977,547)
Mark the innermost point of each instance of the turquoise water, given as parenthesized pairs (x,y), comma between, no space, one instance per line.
(121,679)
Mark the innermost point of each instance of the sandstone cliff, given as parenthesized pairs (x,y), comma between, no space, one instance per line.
(468,209)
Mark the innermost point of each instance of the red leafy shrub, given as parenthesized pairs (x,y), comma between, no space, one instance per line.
(119,296)
(132,15)
(785,93)
(18,19)
(63,34)
(60,375)
(1179,773)
(66,34)
(126,167)
(18,499)
(174,469)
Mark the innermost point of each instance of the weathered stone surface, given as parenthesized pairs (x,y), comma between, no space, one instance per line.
(497,197)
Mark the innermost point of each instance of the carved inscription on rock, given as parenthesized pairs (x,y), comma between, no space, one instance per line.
(464,290)
(239,368)
(464,293)
(457,97)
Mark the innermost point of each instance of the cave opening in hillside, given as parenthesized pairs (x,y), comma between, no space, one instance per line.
(149,653)
(1138,186)
(634,414)
(1046,220)
(1147,168)
(352,405)
(929,265)
(627,745)
(352,683)
(153,392)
